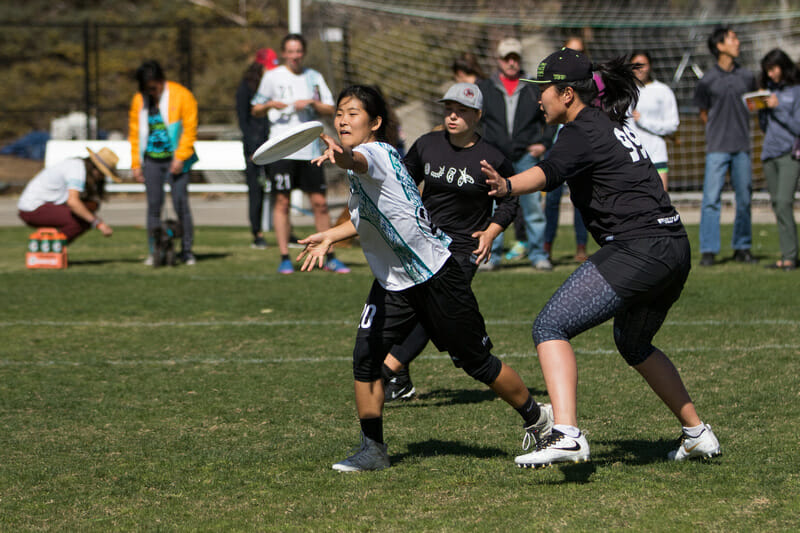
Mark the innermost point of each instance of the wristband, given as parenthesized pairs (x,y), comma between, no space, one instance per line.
(96,222)
(508,186)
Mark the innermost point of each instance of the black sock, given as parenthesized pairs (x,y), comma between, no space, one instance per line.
(373,428)
(330,256)
(529,412)
(387,373)
(284,257)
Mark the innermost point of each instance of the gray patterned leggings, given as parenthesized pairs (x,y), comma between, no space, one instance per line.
(586,300)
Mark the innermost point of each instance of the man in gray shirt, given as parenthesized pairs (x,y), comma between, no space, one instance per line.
(727,120)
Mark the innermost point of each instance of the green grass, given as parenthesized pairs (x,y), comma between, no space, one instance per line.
(217,397)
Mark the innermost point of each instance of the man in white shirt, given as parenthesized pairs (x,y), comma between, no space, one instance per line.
(289,95)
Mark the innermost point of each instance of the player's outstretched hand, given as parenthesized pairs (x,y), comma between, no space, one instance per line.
(494,180)
(332,148)
(317,246)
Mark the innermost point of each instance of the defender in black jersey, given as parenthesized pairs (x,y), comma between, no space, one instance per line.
(455,194)
(642,264)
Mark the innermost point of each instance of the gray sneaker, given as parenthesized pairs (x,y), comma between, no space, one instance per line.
(543,264)
(370,456)
(536,433)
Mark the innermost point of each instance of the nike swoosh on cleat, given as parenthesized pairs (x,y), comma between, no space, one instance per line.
(689,450)
(574,448)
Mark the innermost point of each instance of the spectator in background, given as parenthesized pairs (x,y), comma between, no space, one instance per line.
(552,199)
(255,132)
(289,95)
(513,122)
(655,116)
(162,129)
(67,195)
(466,69)
(781,124)
(727,121)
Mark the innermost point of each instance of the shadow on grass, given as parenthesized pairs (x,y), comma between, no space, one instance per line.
(634,451)
(454,397)
(210,257)
(101,262)
(436,447)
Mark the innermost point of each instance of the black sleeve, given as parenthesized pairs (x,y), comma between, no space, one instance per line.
(702,98)
(570,155)
(414,164)
(242,105)
(506,210)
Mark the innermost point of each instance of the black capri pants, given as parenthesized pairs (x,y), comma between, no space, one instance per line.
(445,307)
(634,281)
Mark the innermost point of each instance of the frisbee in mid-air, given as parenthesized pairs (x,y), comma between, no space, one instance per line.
(284,145)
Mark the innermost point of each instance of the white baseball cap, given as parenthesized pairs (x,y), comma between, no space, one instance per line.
(509,46)
(467,94)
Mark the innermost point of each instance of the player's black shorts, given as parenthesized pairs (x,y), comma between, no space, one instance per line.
(289,174)
(444,305)
(650,269)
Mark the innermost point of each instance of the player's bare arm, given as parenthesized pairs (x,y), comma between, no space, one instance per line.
(340,156)
(529,181)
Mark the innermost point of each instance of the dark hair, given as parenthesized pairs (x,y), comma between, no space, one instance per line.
(717,36)
(148,71)
(790,75)
(252,75)
(468,62)
(620,91)
(95,188)
(644,53)
(640,52)
(373,103)
(293,37)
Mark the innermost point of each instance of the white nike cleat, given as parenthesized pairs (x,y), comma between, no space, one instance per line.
(704,445)
(370,456)
(535,433)
(556,448)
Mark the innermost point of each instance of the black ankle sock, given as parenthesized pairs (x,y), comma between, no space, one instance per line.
(387,373)
(284,257)
(330,256)
(373,428)
(529,412)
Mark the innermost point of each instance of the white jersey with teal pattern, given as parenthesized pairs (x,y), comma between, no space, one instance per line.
(399,242)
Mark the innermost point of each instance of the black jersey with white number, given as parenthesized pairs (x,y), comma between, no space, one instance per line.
(456,194)
(611,179)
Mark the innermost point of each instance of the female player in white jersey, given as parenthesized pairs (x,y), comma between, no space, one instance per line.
(642,264)
(416,279)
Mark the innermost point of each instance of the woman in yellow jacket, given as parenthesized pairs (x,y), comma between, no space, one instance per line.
(162,128)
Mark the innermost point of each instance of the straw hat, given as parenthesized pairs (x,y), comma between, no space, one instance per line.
(106,161)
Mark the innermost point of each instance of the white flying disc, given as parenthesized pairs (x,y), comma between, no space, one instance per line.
(284,145)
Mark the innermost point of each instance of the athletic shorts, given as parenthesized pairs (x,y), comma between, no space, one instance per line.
(444,305)
(289,174)
(652,269)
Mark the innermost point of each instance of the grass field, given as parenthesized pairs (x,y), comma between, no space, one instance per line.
(216,397)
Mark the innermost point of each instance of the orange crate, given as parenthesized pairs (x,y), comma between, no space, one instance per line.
(47,248)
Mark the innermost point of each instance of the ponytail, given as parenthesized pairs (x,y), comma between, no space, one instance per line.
(621,91)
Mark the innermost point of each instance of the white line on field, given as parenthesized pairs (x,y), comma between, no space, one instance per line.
(274,323)
(211,360)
